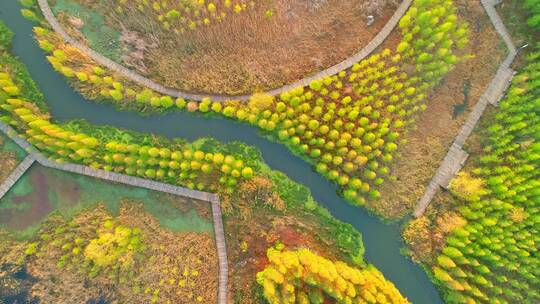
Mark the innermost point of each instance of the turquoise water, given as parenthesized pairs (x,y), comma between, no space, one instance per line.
(42,191)
(382,241)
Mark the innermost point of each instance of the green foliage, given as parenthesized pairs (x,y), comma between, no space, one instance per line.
(349,126)
(493,258)
(22,79)
(166,102)
(6,37)
(533,7)
(30,15)
(116,95)
(28,3)
(129,152)
(31,249)
(193,168)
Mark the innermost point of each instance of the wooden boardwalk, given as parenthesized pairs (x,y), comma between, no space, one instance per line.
(456,157)
(16,175)
(222,251)
(145,82)
(213,199)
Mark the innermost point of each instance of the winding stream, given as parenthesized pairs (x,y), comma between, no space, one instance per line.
(382,241)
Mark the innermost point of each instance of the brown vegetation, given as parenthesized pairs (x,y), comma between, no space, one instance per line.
(8,162)
(256,191)
(426,235)
(156,266)
(271,44)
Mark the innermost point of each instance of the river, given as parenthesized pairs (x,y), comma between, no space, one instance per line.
(382,241)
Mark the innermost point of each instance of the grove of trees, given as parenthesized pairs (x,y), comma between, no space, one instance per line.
(187,166)
(493,258)
(304,277)
(349,126)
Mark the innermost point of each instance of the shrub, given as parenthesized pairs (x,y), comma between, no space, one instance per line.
(30,15)
(6,36)
(260,101)
(533,7)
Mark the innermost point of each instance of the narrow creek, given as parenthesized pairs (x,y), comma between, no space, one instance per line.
(382,241)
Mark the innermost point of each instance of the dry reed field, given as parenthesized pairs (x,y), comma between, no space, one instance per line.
(245,47)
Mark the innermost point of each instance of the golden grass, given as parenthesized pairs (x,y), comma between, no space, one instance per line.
(251,51)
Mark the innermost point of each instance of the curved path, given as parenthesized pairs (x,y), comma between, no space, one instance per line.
(456,156)
(213,199)
(145,82)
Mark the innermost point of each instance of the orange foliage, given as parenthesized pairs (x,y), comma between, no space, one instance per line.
(427,238)
(259,190)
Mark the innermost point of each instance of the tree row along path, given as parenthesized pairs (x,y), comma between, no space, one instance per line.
(456,156)
(145,82)
(34,155)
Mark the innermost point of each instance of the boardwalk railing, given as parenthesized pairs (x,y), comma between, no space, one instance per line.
(145,82)
(213,199)
(456,157)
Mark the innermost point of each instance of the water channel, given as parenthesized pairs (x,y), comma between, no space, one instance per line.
(382,241)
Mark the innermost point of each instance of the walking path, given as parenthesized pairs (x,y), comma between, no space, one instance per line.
(222,251)
(145,82)
(35,155)
(456,157)
(15,175)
